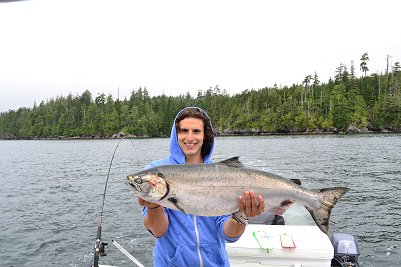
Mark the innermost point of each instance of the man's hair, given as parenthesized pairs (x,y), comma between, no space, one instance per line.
(198,113)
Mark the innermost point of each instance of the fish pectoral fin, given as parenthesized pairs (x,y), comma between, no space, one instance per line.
(232,162)
(175,202)
(284,205)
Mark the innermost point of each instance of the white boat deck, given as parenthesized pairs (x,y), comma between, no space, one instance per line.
(298,243)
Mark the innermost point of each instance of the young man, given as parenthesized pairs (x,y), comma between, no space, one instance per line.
(185,239)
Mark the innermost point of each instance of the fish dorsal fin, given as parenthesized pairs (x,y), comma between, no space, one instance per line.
(232,162)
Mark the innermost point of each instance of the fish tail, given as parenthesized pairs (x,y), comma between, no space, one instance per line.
(329,198)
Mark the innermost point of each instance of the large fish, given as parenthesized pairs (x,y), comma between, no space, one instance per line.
(213,189)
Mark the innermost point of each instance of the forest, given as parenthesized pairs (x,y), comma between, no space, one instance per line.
(345,103)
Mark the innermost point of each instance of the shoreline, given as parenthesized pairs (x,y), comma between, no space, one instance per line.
(227,134)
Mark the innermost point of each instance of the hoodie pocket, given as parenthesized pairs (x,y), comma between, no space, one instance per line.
(188,256)
(212,256)
(178,260)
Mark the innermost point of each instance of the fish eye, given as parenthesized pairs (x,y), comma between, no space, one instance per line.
(138,180)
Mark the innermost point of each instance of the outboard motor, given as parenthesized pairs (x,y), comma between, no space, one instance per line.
(346,250)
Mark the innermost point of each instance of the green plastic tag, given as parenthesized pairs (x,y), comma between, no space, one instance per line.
(263,240)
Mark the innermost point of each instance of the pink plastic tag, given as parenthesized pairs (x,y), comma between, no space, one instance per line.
(287,241)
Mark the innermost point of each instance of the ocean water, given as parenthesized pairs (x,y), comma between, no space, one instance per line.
(51,192)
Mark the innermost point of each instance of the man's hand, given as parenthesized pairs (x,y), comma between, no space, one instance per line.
(147,204)
(250,204)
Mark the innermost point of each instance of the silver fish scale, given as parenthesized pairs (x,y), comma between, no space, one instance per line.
(213,189)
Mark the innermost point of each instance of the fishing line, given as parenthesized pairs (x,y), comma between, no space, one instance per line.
(108,176)
(100,247)
(107,180)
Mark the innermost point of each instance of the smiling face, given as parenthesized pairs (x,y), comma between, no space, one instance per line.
(190,137)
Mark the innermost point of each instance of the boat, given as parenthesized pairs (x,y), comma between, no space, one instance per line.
(281,245)
(297,243)
(295,246)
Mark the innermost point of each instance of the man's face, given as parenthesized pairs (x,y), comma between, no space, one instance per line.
(190,139)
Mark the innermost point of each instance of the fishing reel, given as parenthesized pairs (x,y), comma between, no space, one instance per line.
(100,247)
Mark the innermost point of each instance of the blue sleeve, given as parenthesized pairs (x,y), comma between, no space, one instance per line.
(159,162)
(221,221)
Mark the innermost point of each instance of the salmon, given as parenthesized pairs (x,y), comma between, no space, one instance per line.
(213,189)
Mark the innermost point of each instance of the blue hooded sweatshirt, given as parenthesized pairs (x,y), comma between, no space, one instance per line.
(190,240)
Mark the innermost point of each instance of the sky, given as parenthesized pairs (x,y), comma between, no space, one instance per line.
(51,48)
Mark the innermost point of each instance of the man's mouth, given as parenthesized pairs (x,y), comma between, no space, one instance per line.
(190,144)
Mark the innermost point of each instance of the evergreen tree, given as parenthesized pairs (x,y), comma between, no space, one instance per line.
(364,65)
(372,102)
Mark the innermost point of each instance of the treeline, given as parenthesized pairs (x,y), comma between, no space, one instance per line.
(345,103)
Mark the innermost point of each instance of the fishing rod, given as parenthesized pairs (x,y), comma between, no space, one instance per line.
(100,246)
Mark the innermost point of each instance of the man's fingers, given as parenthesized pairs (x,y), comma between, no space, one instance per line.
(251,204)
(241,203)
(261,204)
(141,201)
(248,201)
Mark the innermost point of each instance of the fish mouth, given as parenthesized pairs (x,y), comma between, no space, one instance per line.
(132,184)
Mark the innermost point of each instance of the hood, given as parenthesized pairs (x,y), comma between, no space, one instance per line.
(176,153)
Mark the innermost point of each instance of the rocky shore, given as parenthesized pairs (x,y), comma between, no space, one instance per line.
(237,132)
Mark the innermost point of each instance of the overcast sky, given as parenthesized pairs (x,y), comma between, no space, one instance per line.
(50,48)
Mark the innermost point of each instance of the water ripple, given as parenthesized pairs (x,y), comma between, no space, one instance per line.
(52,190)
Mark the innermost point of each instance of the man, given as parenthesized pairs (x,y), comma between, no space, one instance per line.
(185,239)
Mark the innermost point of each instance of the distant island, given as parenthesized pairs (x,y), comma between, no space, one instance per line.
(344,104)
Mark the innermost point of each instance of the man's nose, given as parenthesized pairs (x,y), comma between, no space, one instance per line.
(190,135)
